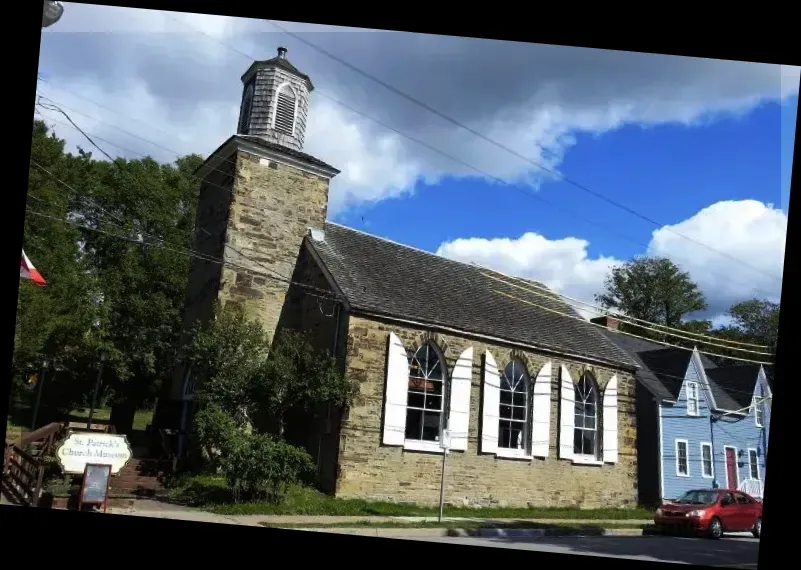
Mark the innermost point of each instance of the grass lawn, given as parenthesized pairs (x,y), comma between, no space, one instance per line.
(141,418)
(212,494)
(18,421)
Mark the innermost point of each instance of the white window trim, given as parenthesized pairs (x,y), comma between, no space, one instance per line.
(422,445)
(736,467)
(687,456)
(513,453)
(759,471)
(586,460)
(758,406)
(707,444)
(275,106)
(696,399)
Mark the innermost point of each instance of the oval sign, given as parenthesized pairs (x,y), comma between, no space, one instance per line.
(80,448)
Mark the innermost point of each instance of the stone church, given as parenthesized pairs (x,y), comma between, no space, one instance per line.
(535,407)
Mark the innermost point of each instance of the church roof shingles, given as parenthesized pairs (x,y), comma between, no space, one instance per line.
(387,279)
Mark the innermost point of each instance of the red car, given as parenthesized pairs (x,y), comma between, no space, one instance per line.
(711,512)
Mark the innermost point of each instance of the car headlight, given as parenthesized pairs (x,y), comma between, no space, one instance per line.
(696,513)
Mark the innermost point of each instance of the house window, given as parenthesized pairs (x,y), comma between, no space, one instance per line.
(585,431)
(692,399)
(425,399)
(514,407)
(244,112)
(753,463)
(759,412)
(707,466)
(285,111)
(682,465)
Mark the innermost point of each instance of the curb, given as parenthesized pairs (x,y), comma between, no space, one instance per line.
(477,532)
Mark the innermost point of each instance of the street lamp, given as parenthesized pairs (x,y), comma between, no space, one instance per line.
(51,13)
(103,357)
(39,394)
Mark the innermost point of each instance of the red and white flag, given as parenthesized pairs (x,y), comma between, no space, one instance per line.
(28,271)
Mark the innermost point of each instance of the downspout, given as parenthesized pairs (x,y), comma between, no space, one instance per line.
(328,406)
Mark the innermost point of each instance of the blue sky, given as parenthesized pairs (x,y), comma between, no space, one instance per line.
(667,173)
(701,147)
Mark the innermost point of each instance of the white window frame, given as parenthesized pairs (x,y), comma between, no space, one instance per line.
(759,412)
(523,452)
(756,463)
(424,444)
(686,457)
(688,388)
(711,474)
(586,458)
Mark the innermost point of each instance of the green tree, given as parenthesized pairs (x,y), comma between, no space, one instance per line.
(57,322)
(755,321)
(652,289)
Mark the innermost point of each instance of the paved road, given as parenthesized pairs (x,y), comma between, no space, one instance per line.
(734,551)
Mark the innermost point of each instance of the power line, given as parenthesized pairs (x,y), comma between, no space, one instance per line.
(628,334)
(504,147)
(462,162)
(551,294)
(626,319)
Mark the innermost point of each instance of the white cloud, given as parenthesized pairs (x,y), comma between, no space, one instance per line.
(530,98)
(746,230)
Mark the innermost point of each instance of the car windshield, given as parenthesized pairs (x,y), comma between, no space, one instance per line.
(697,498)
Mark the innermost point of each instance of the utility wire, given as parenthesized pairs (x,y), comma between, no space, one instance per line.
(620,317)
(483,137)
(629,334)
(551,295)
(422,143)
(625,319)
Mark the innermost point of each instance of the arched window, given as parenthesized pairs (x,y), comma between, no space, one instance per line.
(585,438)
(244,112)
(284,121)
(514,411)
(425,408)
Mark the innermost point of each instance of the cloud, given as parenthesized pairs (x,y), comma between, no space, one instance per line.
(531,98)
(746,230)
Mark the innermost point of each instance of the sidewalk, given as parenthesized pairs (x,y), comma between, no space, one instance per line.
(156,509)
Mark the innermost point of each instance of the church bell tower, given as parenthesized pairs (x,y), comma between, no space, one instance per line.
(259,195)
(275,102)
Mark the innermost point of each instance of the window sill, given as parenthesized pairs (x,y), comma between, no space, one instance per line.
(586,460)
(686,475)
(707,476)
(427,446)
(513,454)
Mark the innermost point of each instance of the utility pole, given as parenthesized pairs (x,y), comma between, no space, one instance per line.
(445,444)
(97,388)
(51,12)
(39,394)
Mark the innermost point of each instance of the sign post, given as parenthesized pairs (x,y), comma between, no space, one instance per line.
(445,444)
(94,487)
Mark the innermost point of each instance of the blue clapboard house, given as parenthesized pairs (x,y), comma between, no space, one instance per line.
(698,425)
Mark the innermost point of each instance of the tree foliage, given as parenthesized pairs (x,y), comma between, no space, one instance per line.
(245,394)
(119,285)
(652,289)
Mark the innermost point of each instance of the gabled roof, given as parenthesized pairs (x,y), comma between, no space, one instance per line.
(740,382)
(386,279)
(663,369)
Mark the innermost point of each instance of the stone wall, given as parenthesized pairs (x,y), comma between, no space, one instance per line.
(368,469)
(273,207)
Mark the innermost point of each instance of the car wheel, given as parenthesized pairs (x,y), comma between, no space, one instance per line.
(757,530)
(715,529)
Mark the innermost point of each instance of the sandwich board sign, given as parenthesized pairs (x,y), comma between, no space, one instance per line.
(80,449)
(94,487)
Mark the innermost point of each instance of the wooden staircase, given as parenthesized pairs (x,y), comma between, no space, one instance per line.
(140,477)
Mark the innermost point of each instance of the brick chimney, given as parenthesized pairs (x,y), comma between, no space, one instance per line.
(607,321)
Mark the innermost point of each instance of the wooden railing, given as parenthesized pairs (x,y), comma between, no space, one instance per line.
(23,476)
(23,467)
